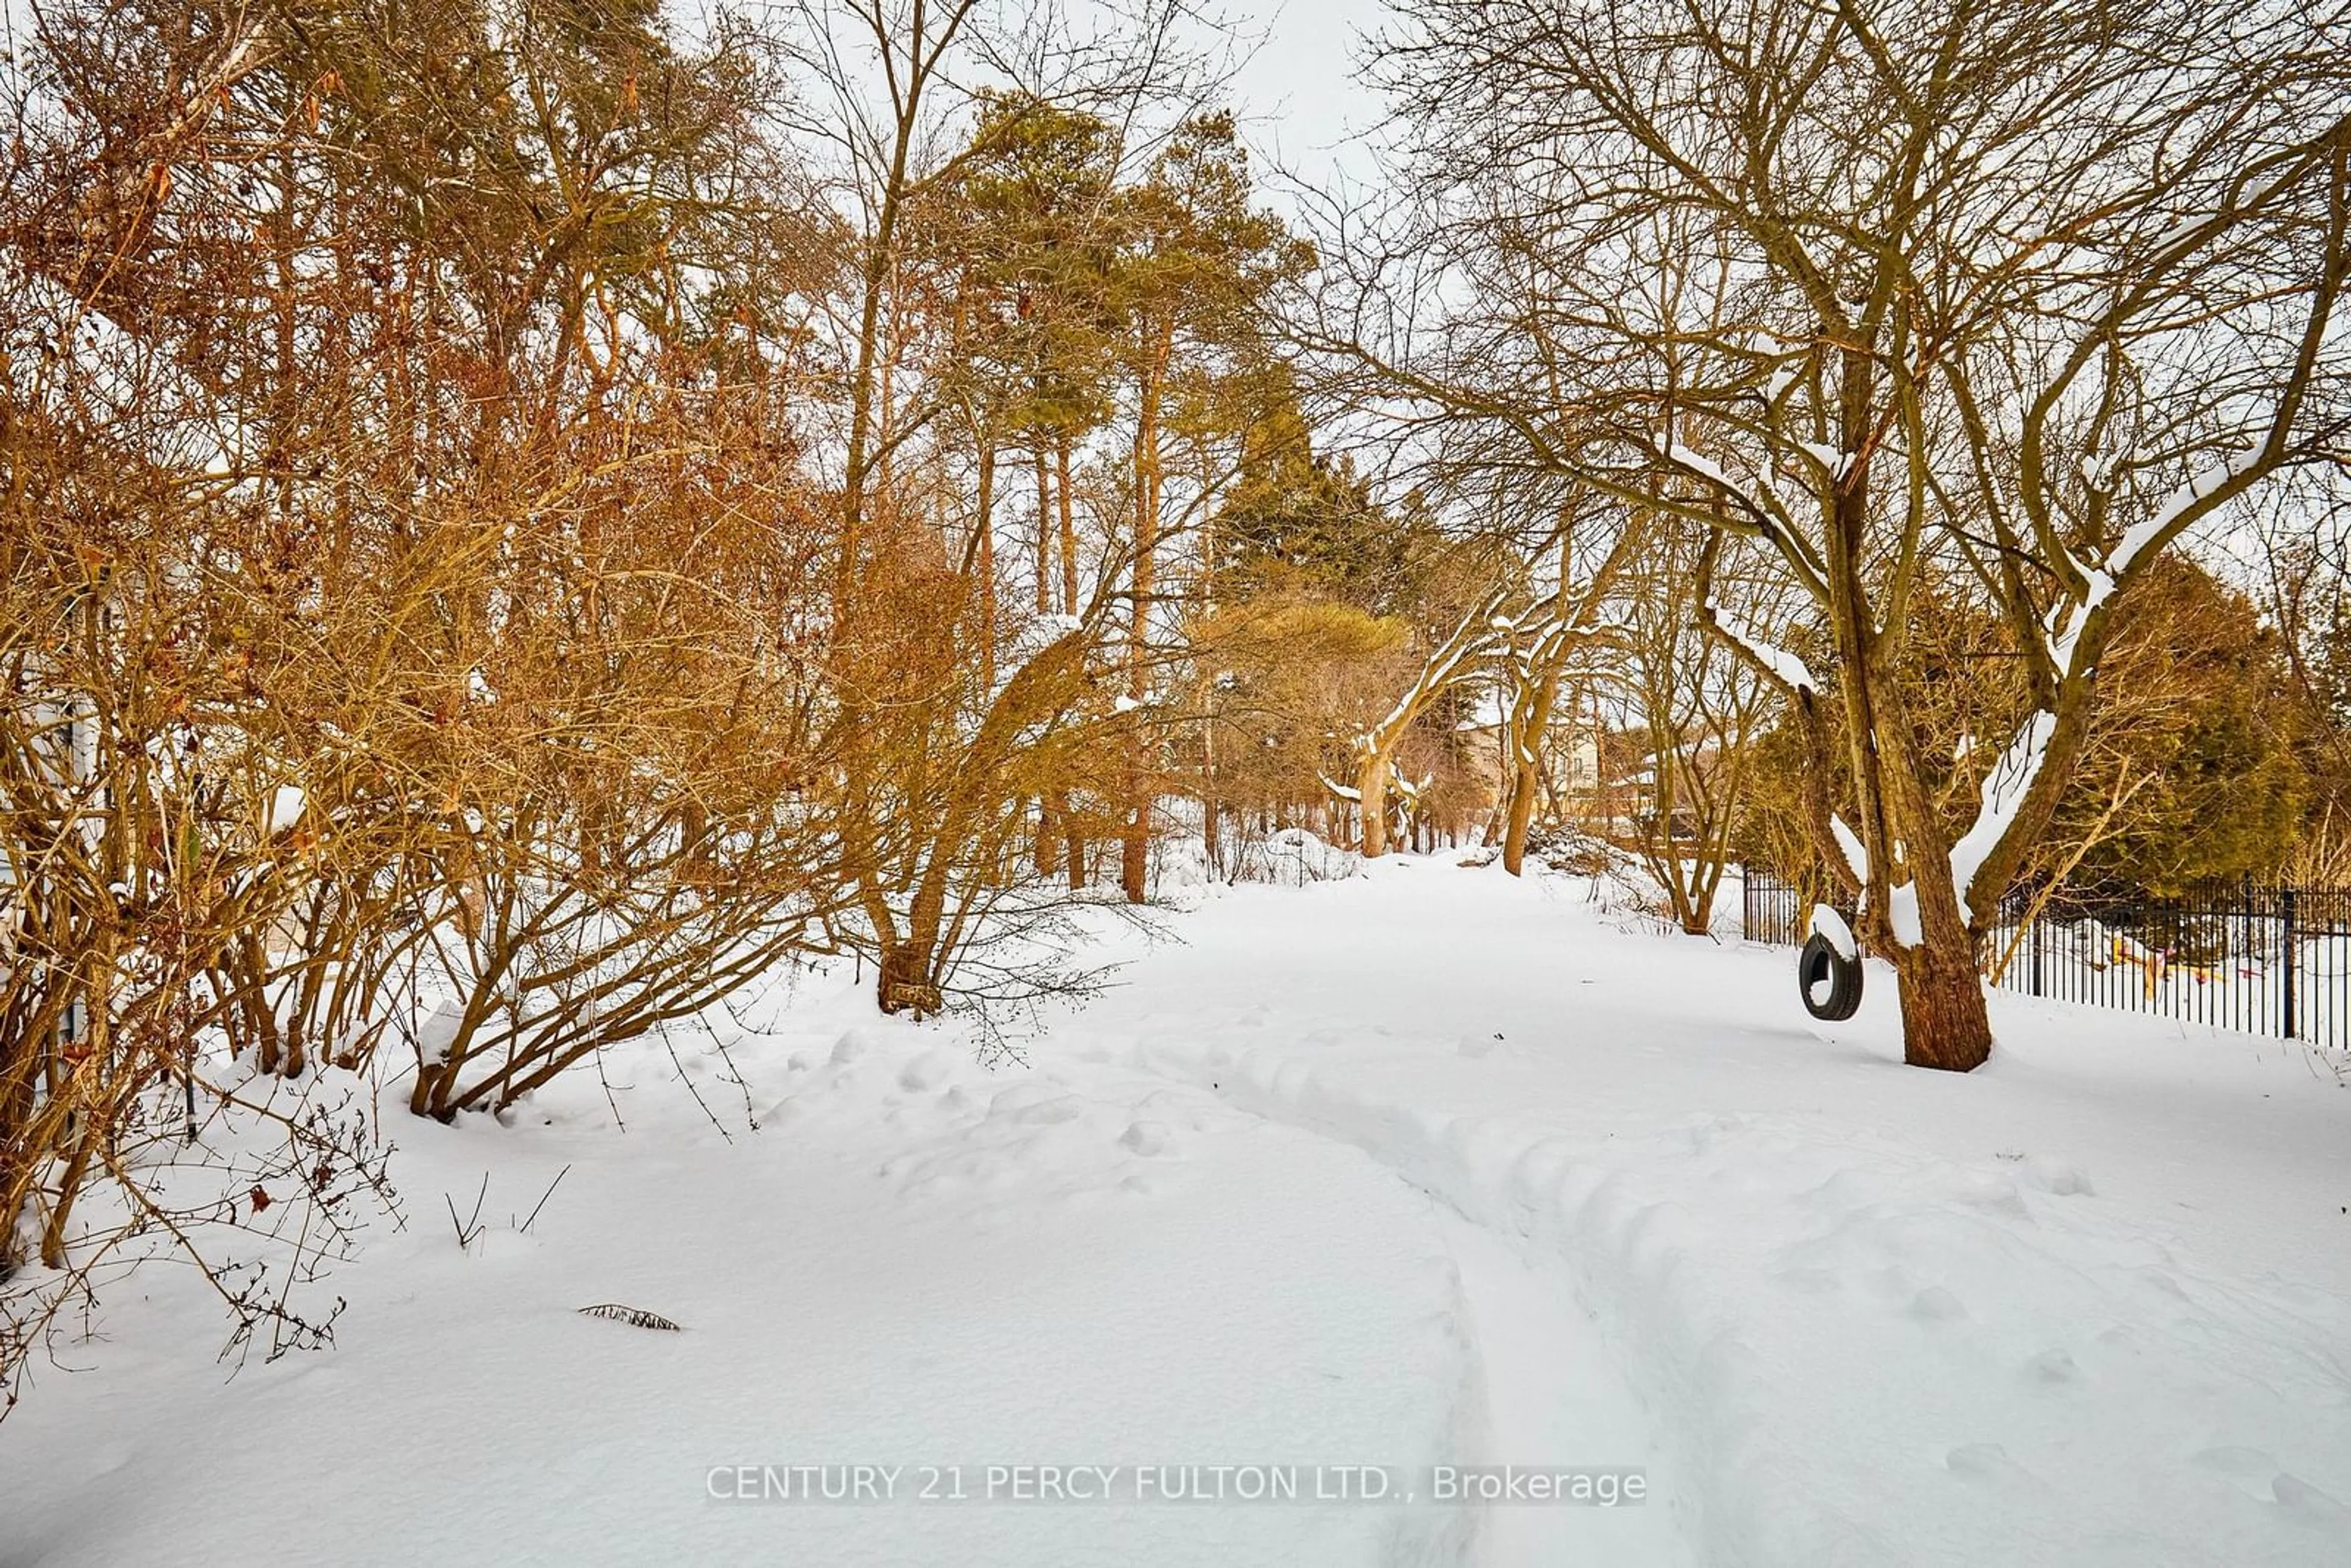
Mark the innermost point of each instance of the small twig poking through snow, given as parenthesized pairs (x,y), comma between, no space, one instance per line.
(635,1317)
(469,1231)
(543,1198)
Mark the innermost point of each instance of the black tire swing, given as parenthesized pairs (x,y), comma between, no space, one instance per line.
(1828,969)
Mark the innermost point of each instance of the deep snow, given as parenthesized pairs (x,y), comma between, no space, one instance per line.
(1428,1167)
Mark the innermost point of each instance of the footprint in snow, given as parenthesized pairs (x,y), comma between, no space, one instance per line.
(2249,1469)
(2059,1180)
(1145,1138)
(1987,1462)
(2256,1474)
(1050,1113)
(2298,1497)
(1812,1281)
(925,1072)
(1934,1304)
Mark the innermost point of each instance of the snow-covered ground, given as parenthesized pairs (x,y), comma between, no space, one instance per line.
(1427,1167)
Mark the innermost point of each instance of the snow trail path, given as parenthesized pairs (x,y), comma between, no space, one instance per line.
(1554,1396)
(2066,1309)
(1428,1167)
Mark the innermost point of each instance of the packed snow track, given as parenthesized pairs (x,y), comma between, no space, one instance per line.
(1427,1171)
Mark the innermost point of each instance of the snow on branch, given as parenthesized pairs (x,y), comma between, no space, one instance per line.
(2151,532)
(1835,463)
(2069,617)
(1902,913)
(1789,670)
(2004,789)
(1474,639)
(1849,844)
(1707,468)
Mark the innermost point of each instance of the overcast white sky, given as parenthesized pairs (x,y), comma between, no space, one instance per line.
(1298,94)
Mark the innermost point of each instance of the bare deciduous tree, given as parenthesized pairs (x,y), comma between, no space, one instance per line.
(2021,291)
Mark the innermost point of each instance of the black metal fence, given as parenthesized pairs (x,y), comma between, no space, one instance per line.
(1770,908)
(2266,959)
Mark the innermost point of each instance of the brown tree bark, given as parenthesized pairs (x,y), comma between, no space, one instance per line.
(984,565)
(1372,792)
(1135,848)
(1521,816)
(1075,844)
(1044,536)
(1945,1024)
(1069,520)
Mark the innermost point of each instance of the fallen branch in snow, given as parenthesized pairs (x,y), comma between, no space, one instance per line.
(635,1317)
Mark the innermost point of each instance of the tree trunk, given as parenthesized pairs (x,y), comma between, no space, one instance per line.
(1134,854)
(1048,835)
(903,979)
(1371,788)
(1044,536)
(1049,830)
(1945,1024)
(1069,521)
(985,566)
(1076,856)
(1135,848)
(1521,816)
(70,1183)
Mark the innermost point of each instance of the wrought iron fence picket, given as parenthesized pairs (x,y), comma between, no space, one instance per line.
(2253,957)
